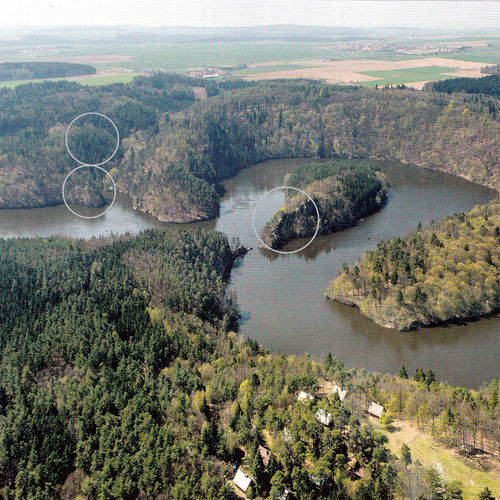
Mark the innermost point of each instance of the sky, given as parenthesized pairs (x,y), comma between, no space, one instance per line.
(448,14)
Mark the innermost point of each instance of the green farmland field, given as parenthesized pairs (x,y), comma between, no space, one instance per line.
(90,81)
(396,76)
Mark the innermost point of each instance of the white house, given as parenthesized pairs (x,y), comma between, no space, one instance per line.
(242,480)
(375,409)
(324,417)
(338,390)
(304,397)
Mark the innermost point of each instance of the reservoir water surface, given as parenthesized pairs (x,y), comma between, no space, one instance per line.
(281,297)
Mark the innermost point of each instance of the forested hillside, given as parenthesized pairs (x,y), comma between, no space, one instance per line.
(120,378)
(344,191)
(34,119)
(171,162)
(446,272)
(28,70)
(214,139)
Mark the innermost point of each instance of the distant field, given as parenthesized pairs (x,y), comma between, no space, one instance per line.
(272,59)
(415,71)
(185,56)
(271,67)
(395,76)
(90,81)
(481,54)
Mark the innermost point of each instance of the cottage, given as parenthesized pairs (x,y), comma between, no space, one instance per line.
(242,480)
(375,410)
(304,397)
(338,390)
(317,481)
(284,495)
(359,473)
(265,454)
(324,417)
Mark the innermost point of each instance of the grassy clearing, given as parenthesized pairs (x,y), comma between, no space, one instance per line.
(395,76)
(429,454)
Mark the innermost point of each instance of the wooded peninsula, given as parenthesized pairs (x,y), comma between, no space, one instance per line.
(343,191)
(449,271)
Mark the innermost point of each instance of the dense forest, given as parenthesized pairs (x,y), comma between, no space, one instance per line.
(175,152)
(121,378)
(214,139)
(34,119)
(32,70)
(448,271)
(344,191)
(489,85)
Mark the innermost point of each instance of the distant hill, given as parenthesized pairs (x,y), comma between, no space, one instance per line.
(30,70)
(177,150)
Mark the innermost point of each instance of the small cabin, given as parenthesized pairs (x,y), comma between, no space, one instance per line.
(242,481)
(375,410)
(323,417)
(303,397)
(265,454)
(317,481)
(284,496)
(359,473)
(341,393)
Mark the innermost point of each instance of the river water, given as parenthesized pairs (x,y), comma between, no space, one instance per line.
(281,297)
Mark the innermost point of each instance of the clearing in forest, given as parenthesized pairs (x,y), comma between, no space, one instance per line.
(447,461)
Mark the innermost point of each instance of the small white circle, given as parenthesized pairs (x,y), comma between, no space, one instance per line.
(88,216)
(103,116)
(280,251)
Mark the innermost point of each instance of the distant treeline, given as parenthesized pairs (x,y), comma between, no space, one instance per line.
(489,85)
(32,70)
(491,70)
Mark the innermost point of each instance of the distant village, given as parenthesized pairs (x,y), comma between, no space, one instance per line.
(375,45)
